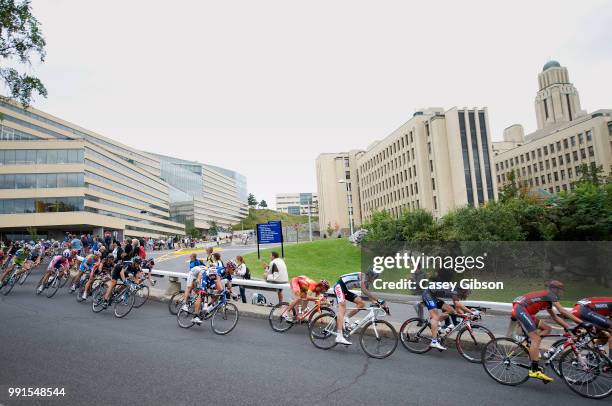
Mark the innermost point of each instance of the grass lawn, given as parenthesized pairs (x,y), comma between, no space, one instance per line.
(322,259)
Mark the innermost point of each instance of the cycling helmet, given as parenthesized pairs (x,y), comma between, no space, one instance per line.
(230,266)
(137,260)
(324,284)
(554,284)
(66,254)
(74,253)
(97,253)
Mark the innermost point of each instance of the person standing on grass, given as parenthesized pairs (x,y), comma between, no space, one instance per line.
(276,272)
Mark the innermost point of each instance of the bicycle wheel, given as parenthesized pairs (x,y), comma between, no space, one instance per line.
(53,286)
(276,319)
(184,318)
(378,339)
(415,335)
(80,290)
(124,303)
(506,361)
(324,309)
(554,364)
(10,283)
(98,299)
(322,331)
(470,342)
(175,303)
(65,279)
(587,372)
(225,319)
(141,296)
(24,276)
(40,282)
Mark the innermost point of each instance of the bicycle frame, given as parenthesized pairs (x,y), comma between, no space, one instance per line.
(374,313)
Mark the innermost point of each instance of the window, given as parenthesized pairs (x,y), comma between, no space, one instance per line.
(580,139)
(554,162)
(591,151)
(573,141)
(582,153)
(545,150)
(560,159)
(569,173)
(565,144)
(562,174)
(558,145)
(575,155)
(589,135)
(433,184)
(552,148)
(539,152)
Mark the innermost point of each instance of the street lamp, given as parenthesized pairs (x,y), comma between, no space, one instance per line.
(349,202)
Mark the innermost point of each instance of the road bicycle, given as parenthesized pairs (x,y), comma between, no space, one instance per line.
(176,301)
(583,365)
(27,273)
(142,292)
(222,314)
(378,338)
(415,335)
(11,280)
(299,314)
(99,280)
(122,299)
(55,281)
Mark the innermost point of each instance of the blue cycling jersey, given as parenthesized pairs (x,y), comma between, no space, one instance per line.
(195,263)
(87,265)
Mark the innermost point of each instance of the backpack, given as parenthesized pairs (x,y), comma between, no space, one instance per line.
(247,274)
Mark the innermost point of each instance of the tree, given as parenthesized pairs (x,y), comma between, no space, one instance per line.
(382,227)
(20,39)
(214,228)
(191,230)
(590,174)
(329,229)
(263,204)
(251,201)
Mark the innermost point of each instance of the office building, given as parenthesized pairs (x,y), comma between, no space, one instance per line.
(438,160)
(297,203)
(204,194)
(549,159)
(337,191)
(57,177)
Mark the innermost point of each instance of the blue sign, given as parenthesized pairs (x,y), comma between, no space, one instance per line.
(269,233)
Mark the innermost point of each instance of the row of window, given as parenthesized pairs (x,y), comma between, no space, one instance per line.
(546,149)
(393,196)
(41,156)
(560,175)
(46,205)
(548,163)
(126,180)
(134,191)
(130,218)
(124,197)
(11,134)
(41,180)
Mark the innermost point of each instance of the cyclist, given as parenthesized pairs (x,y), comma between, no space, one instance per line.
(524,310)
(208,278)
(121,271)
(598,311)
(301,286)
(37,253)
(341,289)
(434,301)
(195,265)
(87,266)
(103,264)
(20,259)
(58,262)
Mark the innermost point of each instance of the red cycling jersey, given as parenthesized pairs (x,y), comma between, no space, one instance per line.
(601,305)
(534,302)
(302,284)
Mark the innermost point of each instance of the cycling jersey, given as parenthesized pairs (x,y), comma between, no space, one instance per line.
(302,284)
(21,256)
(351,280)
(595,310)
(209,279)
(88,264)
(534,302)
(58,261)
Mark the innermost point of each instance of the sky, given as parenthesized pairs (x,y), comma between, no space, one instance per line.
(263,87)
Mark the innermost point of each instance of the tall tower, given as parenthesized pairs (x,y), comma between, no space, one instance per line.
(557,100)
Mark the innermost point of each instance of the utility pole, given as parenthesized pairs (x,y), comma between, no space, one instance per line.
(309,219)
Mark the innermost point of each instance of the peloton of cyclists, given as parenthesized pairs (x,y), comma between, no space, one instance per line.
(57,262)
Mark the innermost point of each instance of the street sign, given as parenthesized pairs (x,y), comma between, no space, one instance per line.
(270,233)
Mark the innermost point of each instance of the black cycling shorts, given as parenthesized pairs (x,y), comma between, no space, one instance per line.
(342,292)
(598,320)
(430,301)
(116,275)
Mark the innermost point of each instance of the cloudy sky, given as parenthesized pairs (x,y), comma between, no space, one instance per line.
(263,87)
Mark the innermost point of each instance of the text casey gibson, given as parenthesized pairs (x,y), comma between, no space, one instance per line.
(470,284)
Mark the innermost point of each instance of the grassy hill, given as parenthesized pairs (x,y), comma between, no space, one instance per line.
(258,216)
(322,259)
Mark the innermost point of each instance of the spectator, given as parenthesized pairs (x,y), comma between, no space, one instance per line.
(117,250)
(127,249)
(135,251)
(76,244)
(242,271)
(276,272)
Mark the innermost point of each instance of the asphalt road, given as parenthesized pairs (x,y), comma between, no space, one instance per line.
(146,359)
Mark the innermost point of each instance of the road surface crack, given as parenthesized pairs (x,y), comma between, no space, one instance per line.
(364,371)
